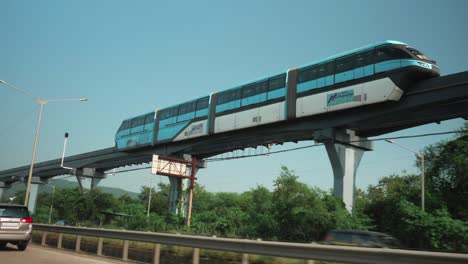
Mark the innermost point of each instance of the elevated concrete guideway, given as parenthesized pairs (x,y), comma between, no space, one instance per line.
(426,102)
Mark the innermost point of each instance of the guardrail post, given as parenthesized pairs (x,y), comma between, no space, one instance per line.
(196,256)
(44,238)
(59,242)
(99,246)
(157,253)
(245,258)
(125,251)
(78,243)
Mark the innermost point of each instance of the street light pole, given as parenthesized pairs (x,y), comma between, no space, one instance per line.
(42,102)
(421,156)
(52,204)
(149,197)
(28,185)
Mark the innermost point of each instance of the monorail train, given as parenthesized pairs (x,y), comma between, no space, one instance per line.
(372,74)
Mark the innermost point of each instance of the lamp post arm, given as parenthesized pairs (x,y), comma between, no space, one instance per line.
(403,147)
(19,90)
(64,100)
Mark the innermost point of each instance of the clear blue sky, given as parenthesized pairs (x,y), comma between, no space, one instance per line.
(131,57)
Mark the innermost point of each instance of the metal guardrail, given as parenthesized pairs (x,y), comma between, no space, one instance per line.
(280,249)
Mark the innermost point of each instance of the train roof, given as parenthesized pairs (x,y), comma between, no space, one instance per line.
(192,100)
(255,81)
(367,47)
(370,46)
(133,117)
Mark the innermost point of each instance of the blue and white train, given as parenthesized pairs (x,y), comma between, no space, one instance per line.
(373,74)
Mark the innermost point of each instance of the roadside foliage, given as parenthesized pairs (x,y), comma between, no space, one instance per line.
(294,211)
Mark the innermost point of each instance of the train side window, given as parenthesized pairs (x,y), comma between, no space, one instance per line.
(390,53)
(149,118)
(229,96)
(345,64)
(307,74)
(182,109)
(398,53)
(139,121)
(203,103)
(254,89)
(330,66)
(125,125)
(277,82)
(168,113)
(364,58)
(187,107)
(326,69)
(382,54)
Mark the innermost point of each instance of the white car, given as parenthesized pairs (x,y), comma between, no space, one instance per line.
(15,225)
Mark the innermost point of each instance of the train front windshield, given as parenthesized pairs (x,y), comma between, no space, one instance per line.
(419,55)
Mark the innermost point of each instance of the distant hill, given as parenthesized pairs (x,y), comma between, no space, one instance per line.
(64,184)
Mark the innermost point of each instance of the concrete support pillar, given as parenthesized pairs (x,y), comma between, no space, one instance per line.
(345,151)
(80,183)
(95,182)
(33,197)
(175,195)
(2,186)
(82,173)
(181,186)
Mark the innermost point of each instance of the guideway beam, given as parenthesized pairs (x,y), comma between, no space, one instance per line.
(345,151)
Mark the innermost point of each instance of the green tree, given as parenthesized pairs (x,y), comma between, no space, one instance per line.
(447,176)
(159,198)
(299,212)
(259,209)
(429,230)
(82,207)
(219,214)
(383,198)
(202,200)
(340,217)
(43,203)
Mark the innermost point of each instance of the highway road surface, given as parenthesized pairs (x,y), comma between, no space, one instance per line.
(35,254)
